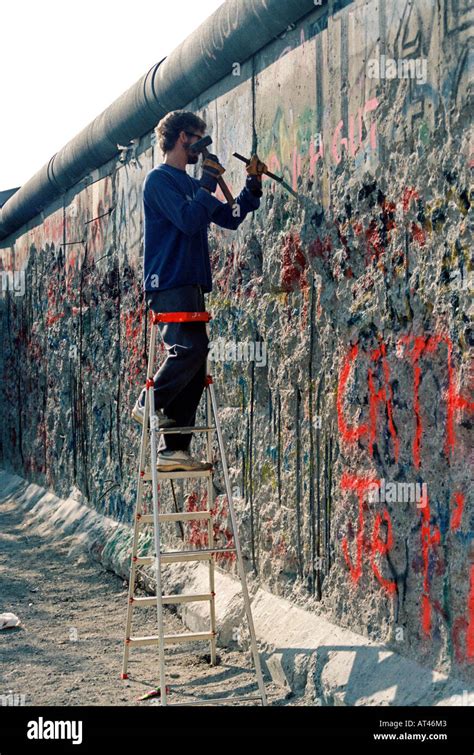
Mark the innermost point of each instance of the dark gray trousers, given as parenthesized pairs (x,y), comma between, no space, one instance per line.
(179,382)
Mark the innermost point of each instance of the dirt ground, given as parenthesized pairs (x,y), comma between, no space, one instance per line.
(68,650)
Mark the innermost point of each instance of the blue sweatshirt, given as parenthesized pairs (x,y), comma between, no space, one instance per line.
(177,212)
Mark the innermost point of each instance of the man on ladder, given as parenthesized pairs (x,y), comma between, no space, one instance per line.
(177,273)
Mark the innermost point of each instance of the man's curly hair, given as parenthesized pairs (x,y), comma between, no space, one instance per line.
(168,129)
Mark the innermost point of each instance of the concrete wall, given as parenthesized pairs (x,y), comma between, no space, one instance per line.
(359,291)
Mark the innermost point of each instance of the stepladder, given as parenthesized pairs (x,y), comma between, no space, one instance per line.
(148,473)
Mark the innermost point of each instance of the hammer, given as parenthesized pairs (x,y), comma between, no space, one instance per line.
(201,146)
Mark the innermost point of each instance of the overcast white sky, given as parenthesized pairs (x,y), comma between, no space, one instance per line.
(62,63)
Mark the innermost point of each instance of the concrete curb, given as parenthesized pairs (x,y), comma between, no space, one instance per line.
(302,651)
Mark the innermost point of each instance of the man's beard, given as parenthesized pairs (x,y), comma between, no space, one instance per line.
(193,157)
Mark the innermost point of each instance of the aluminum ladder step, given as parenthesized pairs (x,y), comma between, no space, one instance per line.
(184,430)
(184,516)
(172,599)
(146,474)
(173,557)
(170,639)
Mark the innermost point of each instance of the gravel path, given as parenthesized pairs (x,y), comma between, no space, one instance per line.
(68,650)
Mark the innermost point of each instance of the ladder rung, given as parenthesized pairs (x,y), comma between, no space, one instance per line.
(214,700)
(200,550)
(178,475)
(170,639)
(177,556)
(182,516)
(186,430)
(172,599)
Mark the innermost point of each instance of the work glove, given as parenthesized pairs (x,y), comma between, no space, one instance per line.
(211,170)
(255,169)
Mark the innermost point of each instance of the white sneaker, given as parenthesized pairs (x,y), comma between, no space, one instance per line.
(138,413)
(180,461)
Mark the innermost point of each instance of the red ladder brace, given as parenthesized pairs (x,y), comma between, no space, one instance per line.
(176,556)
(180,317)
